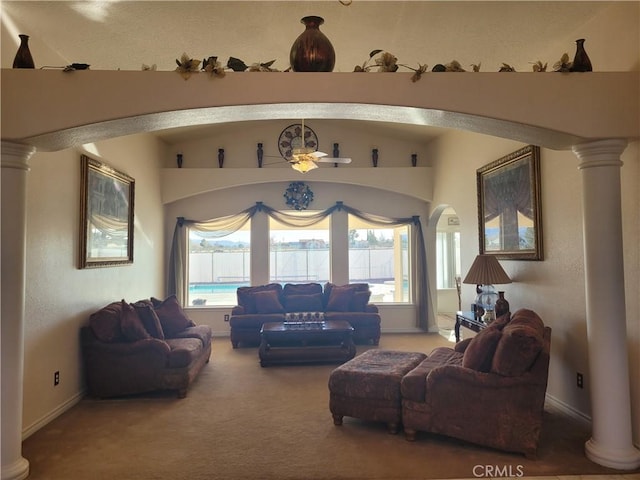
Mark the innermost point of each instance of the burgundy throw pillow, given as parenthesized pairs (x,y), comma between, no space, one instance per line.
(360,300)
(105,323)
(172,317)
(303,303)
(267,302)
(518,348)
(131,325)
(301,289)
(246,297)
(149,318)
(479,353)
(340,299)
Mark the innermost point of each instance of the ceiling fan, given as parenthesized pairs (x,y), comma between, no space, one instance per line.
(298,145)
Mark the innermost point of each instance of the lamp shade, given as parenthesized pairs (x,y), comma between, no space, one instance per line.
(486,270)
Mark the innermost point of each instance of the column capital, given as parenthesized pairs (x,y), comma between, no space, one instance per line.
(601,153)
(16,155)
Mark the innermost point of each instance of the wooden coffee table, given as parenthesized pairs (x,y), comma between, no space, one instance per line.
(306,342)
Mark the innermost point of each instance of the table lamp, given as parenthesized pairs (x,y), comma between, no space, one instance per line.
(485,272)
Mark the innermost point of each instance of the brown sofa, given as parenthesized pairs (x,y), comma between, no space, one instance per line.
(274,303)
(141,347)
(489,390)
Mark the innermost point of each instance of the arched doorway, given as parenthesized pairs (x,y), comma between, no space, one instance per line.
(447,258)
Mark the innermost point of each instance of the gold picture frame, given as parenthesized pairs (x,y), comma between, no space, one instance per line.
(509,206)
(106,215)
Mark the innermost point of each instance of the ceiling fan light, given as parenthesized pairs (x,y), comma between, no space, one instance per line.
(304,165)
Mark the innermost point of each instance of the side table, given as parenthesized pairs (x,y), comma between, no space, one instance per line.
(467,320)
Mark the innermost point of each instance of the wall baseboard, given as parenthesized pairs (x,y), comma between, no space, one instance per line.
(55,413)
(567,409)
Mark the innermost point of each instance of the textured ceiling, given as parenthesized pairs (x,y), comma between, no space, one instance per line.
(125,34)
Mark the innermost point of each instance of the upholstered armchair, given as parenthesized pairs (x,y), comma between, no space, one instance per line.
(488,390)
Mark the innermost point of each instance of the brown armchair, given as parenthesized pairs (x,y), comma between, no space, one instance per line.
(489,390)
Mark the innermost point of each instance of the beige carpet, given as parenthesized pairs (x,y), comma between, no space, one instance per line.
(241,421)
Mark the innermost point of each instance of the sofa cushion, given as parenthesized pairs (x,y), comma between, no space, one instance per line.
(149,318)
(131,324)
(340,299)
(172,317)
(356,319)
(303,303)
(254,321)
(521,342)
(479,353)
(246,295)
(202,332)
(105,323)
(267,302)
(183,351)
(414,383)
(301,289)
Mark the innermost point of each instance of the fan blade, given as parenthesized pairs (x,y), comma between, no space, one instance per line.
(334,160)
(319,154)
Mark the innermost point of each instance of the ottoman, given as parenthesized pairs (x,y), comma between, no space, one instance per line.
(368,386)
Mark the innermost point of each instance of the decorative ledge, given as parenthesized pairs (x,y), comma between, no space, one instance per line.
(180,183)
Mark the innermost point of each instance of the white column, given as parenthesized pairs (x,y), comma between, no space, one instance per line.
(611,441)
(14,182)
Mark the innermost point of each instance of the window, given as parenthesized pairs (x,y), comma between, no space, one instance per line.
(218,265)
(380,257)
(299,255)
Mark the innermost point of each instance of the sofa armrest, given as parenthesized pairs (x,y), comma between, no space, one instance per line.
(133,348)
(371,308)
(467,377)
(237,310)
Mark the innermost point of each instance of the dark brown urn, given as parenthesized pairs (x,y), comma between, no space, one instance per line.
(312,51)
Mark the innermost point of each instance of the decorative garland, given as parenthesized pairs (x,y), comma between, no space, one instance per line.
(298,195)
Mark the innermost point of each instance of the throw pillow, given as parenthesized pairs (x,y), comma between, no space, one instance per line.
(360,300)
(131,325)
(172,317)
(303,303)
(246,295)
(105,323)
(340,299)
(267,302)
(517,349)
(301,289)
(479,353)
(149,318)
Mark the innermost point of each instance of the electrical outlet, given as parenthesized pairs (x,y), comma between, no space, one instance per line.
(579,380)
(226,317)
(56,378)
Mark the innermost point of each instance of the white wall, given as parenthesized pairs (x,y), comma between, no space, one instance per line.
(59,296)
(554,287)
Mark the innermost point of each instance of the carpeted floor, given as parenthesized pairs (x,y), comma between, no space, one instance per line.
(240,421)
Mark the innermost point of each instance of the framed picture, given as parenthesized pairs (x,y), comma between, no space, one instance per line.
(509,207)
(106,215)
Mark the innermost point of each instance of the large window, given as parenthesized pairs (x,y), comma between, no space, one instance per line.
(299,255)
(218,265)
(380,257)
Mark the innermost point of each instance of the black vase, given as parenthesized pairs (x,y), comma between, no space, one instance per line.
(581,62)
(23,58)
(312,51)
(502,306)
